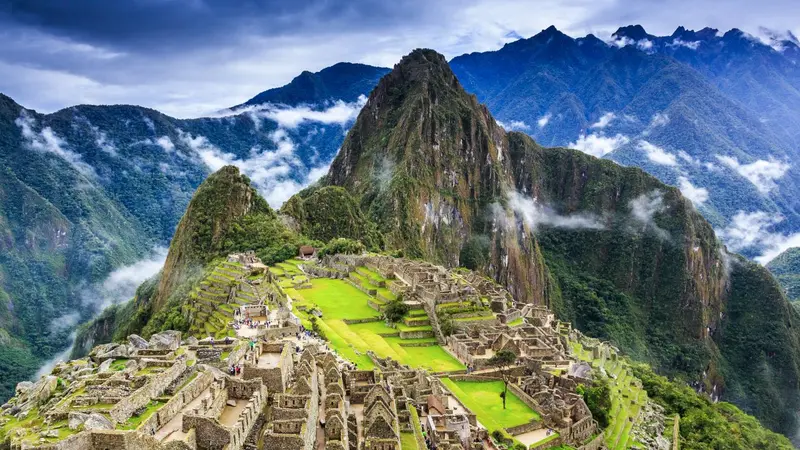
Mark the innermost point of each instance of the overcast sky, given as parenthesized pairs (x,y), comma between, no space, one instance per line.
(191,57)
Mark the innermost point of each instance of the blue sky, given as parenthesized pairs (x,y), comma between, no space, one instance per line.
(191,57)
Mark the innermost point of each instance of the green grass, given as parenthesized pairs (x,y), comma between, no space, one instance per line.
(483,398)
(408,441)
(338,300)
(516,322)
(135,421)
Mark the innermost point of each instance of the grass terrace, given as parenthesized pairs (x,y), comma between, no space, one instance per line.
(340,301)
(483,398)
(626,398)
(408,441)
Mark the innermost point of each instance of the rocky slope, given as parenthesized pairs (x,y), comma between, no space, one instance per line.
(610,248)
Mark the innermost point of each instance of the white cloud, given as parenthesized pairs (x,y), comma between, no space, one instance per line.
(657,154)
(536,215)
(598,145)
(697,195)
(604,120)
(47,141)
(761,173)
(645,45)
(64,322)
(677,42)
(339,112)
(544,120)
(645,207)
(166,143)
(277,174)
(751,231)
(119,286)
(659,120)
(514,125)
(102,141)
(695,161)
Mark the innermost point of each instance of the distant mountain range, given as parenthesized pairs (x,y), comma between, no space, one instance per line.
(89,189)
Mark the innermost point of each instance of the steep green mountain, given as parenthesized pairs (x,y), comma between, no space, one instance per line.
(610,248)
(786,268)
(226,215)
(60,231)
(88,189)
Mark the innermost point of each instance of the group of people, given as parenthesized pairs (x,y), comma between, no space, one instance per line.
(248,322)
(235,369)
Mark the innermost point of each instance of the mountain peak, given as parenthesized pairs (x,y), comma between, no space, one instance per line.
(423,62)
(222,199)
(634,32)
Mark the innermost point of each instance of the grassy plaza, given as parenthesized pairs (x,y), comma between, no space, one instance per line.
(339,301)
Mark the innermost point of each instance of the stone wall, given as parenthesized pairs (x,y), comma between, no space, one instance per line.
(275,379)
(167,412)
(527,399)
(210,434)
(596,444)
(156,386)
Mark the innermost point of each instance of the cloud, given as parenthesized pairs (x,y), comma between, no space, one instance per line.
(102,141)
(277,174)
(697,195)
(66,321)
(598,145)
(544,120)
(659,120)
(696,162)
(644,209)
(750,231)
(677,42)
(121,284)
(761,173)
(340,113)
(657,154)
(536,215)
(47,141)
(63,356)
(645,45)
(514,125)
(166,143)
(604,120)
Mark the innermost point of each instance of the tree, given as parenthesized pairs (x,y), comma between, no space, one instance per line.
(395,310)
(503,360)
(598,400)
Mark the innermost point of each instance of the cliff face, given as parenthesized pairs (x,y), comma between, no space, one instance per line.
(610,248)
(427,163)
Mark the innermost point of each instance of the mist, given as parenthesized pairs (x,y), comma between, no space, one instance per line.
(119,286)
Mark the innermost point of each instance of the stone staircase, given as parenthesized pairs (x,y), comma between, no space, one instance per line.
(215,299)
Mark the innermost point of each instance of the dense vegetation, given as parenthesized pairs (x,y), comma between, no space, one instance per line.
(598,399)
(786,268)
(331,212)
(705,425)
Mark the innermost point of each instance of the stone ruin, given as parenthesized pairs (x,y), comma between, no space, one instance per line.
(169,394)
